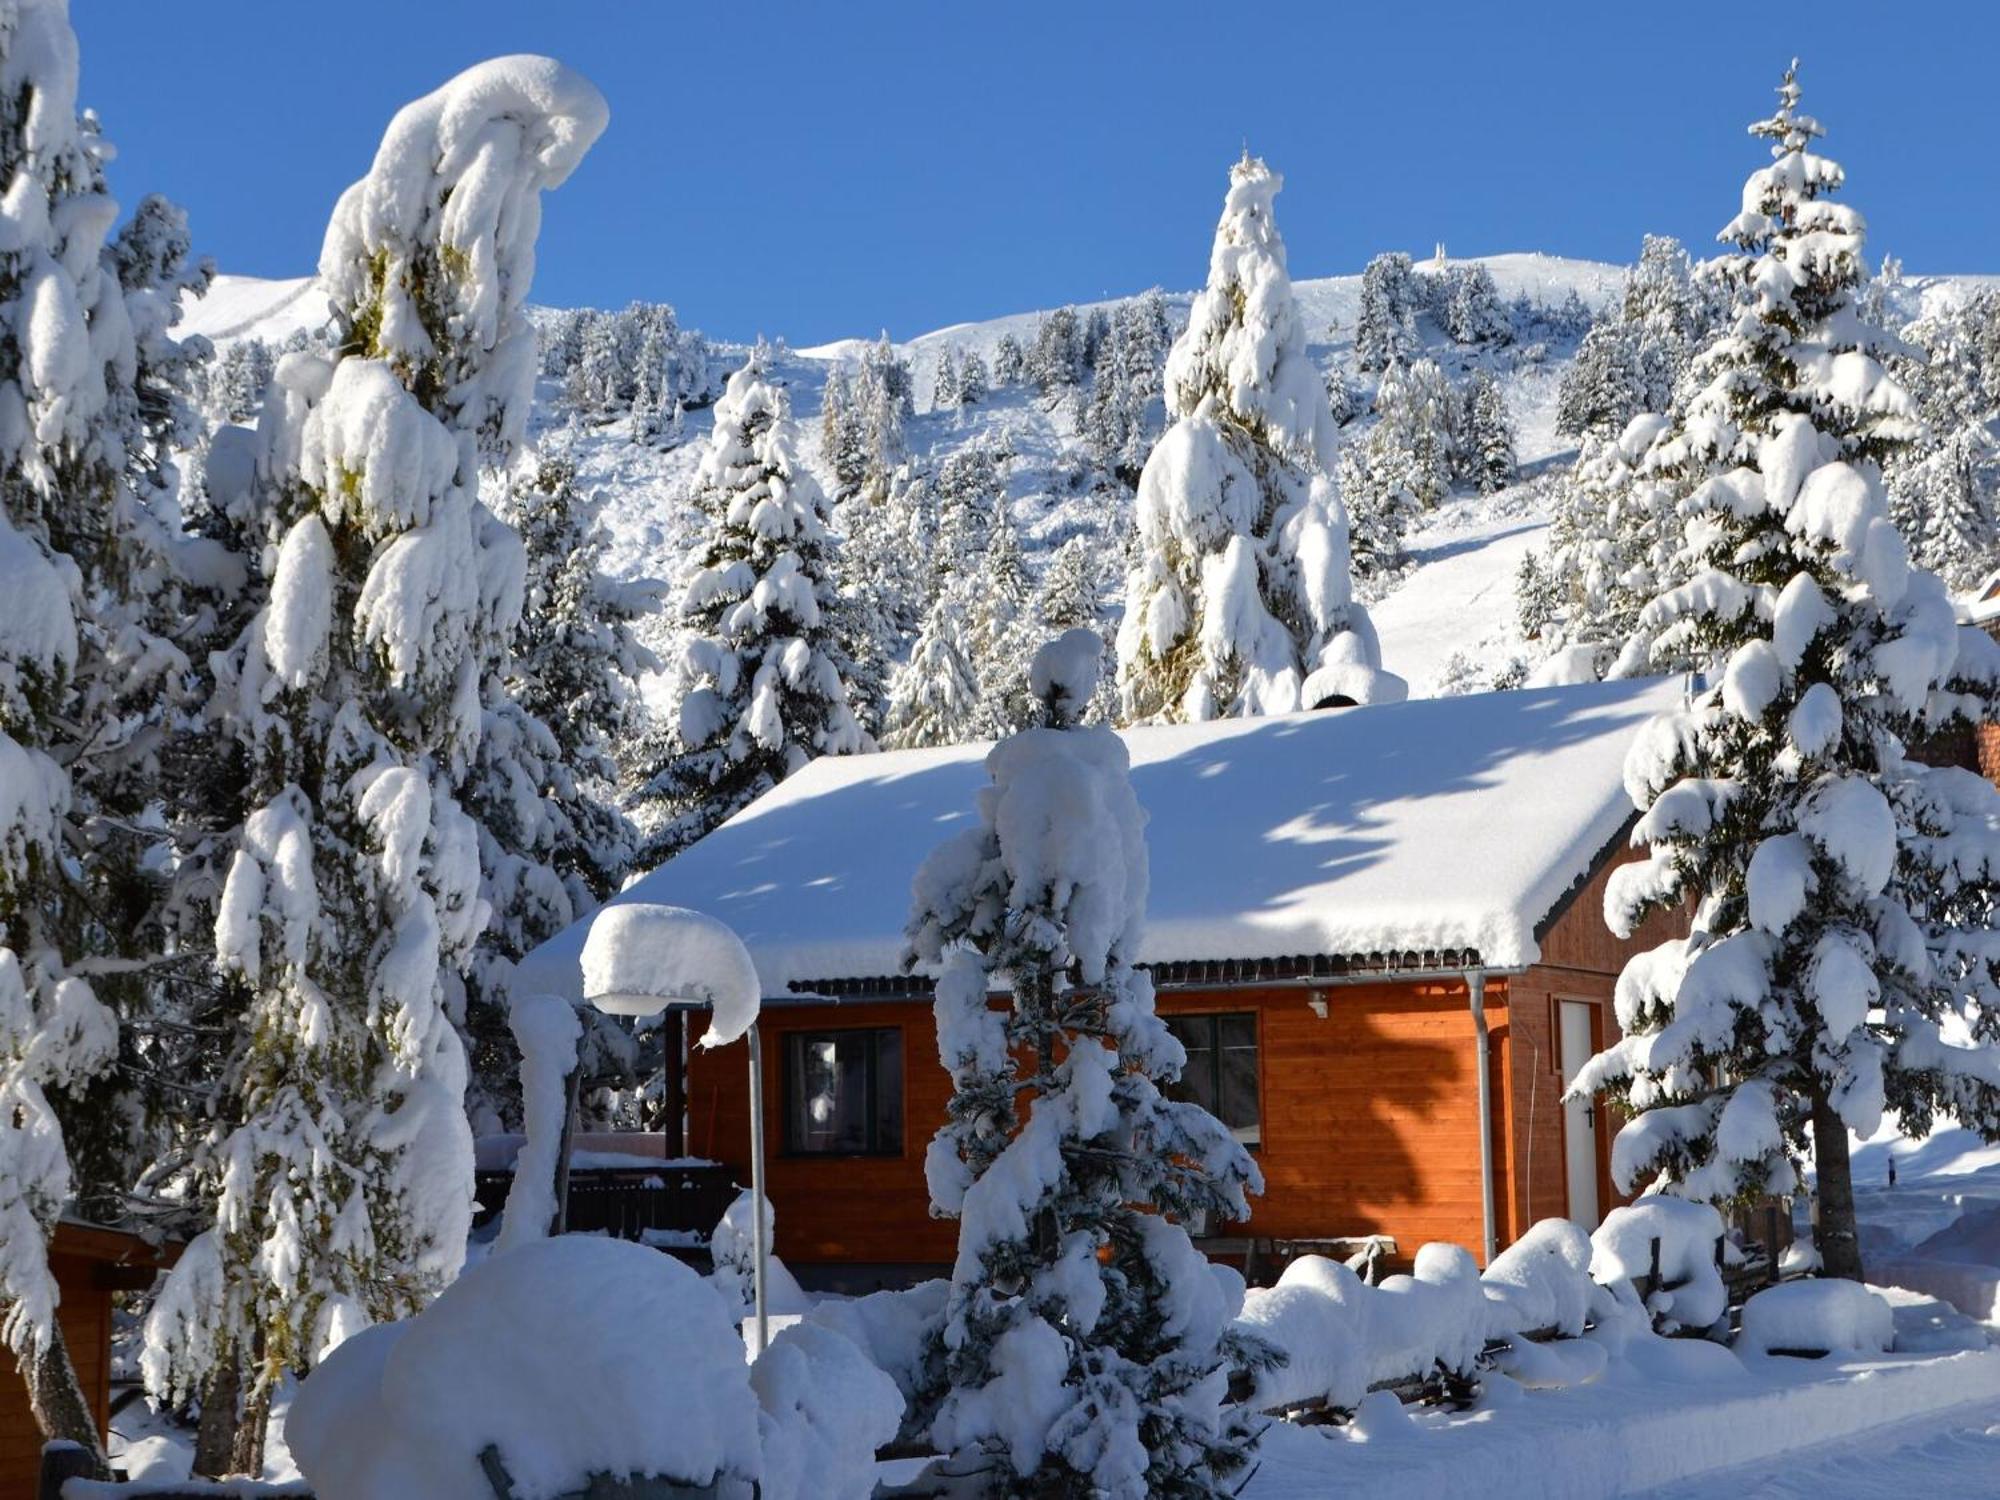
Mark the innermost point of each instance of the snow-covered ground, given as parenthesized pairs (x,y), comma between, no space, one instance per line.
(1673,1420)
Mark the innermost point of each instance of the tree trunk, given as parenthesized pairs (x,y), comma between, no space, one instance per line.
(215,1438)
(1834,1232)
(247,1456)
(61,1409)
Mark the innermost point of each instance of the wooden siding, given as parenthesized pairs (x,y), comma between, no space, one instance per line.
(1368,1122)
(866,1209)
(1369,1116)
(85,1316)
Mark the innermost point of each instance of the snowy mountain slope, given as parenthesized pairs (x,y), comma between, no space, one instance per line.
(1447,624)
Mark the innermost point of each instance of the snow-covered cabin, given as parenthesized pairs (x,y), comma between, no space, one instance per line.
(1347,909)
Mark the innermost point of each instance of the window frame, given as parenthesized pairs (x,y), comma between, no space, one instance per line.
(1213,1019)
(791,1077)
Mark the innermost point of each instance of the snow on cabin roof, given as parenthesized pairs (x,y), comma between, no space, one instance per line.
(1440,824)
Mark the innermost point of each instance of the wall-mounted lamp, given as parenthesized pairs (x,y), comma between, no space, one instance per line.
(1317,1000)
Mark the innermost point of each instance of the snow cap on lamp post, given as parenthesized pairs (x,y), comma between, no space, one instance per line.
(641,958)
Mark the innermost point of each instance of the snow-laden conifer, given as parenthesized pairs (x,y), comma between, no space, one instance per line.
(343,1194)
(1241,600)
(1085,1343)
(759,679)
(93,392)
(1822,979)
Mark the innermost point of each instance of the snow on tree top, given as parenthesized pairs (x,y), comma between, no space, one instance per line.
(1442,824)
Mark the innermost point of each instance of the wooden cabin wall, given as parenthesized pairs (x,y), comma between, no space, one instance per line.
(857,1209)
(1581,960)
(1369,1116)
(1368,1123)
(85,1316)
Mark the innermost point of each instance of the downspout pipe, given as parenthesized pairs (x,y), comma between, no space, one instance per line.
(1475,988)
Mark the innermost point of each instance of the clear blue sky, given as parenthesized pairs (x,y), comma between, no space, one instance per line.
(818,170)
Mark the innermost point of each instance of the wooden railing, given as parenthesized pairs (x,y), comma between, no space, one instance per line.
(626,1202)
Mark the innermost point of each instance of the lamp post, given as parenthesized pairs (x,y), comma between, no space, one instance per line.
(642,959)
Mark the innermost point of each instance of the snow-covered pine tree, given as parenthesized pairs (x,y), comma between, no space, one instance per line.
(1944,505)
(1942,489)
(1069,593)
(934,696)
(1414,408)
(1812,988)
(759,681)
(1385,331)
(973,381)
(344,1193)
(1611,541)
(1378,483)
(1010,362)
(83,676)
(1472,311)
(1085,1343)
(1055,362)
(1489,435)
(1000,612)
(1604,386)
(946,392)
(1241,602)
(554,842)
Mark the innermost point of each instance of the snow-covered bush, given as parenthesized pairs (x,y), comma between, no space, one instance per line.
(733,1249)
(570,1356)
(1684,1236)
(1816,1317)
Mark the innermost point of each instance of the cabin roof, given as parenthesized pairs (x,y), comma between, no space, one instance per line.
(1448,826)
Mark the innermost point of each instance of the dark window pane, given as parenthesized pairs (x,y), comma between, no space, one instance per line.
(1221,1072)
(1197,1081)
(888,1091)
(844,1092)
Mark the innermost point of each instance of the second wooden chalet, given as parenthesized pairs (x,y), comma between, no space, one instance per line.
(1378,931)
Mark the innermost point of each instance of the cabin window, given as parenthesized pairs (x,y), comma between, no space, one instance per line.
(844,1092)
(1221,1072)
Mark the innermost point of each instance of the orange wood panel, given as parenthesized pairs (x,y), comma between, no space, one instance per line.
(85,1317)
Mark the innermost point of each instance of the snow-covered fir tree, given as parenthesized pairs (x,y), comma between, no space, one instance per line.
(1416,415)
(1386,330)
(343,1193)
(974,384)
(1379,484)
(1241,601)
(90,671)
(1814,987)
(934,695)
(946,392)
(1604,386)
(1944,490)
(1010,362)
(759,679)
(1489,434)
(1471,303)
(1055,362)
(1611,543)
(554,842)
(1085,1344)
